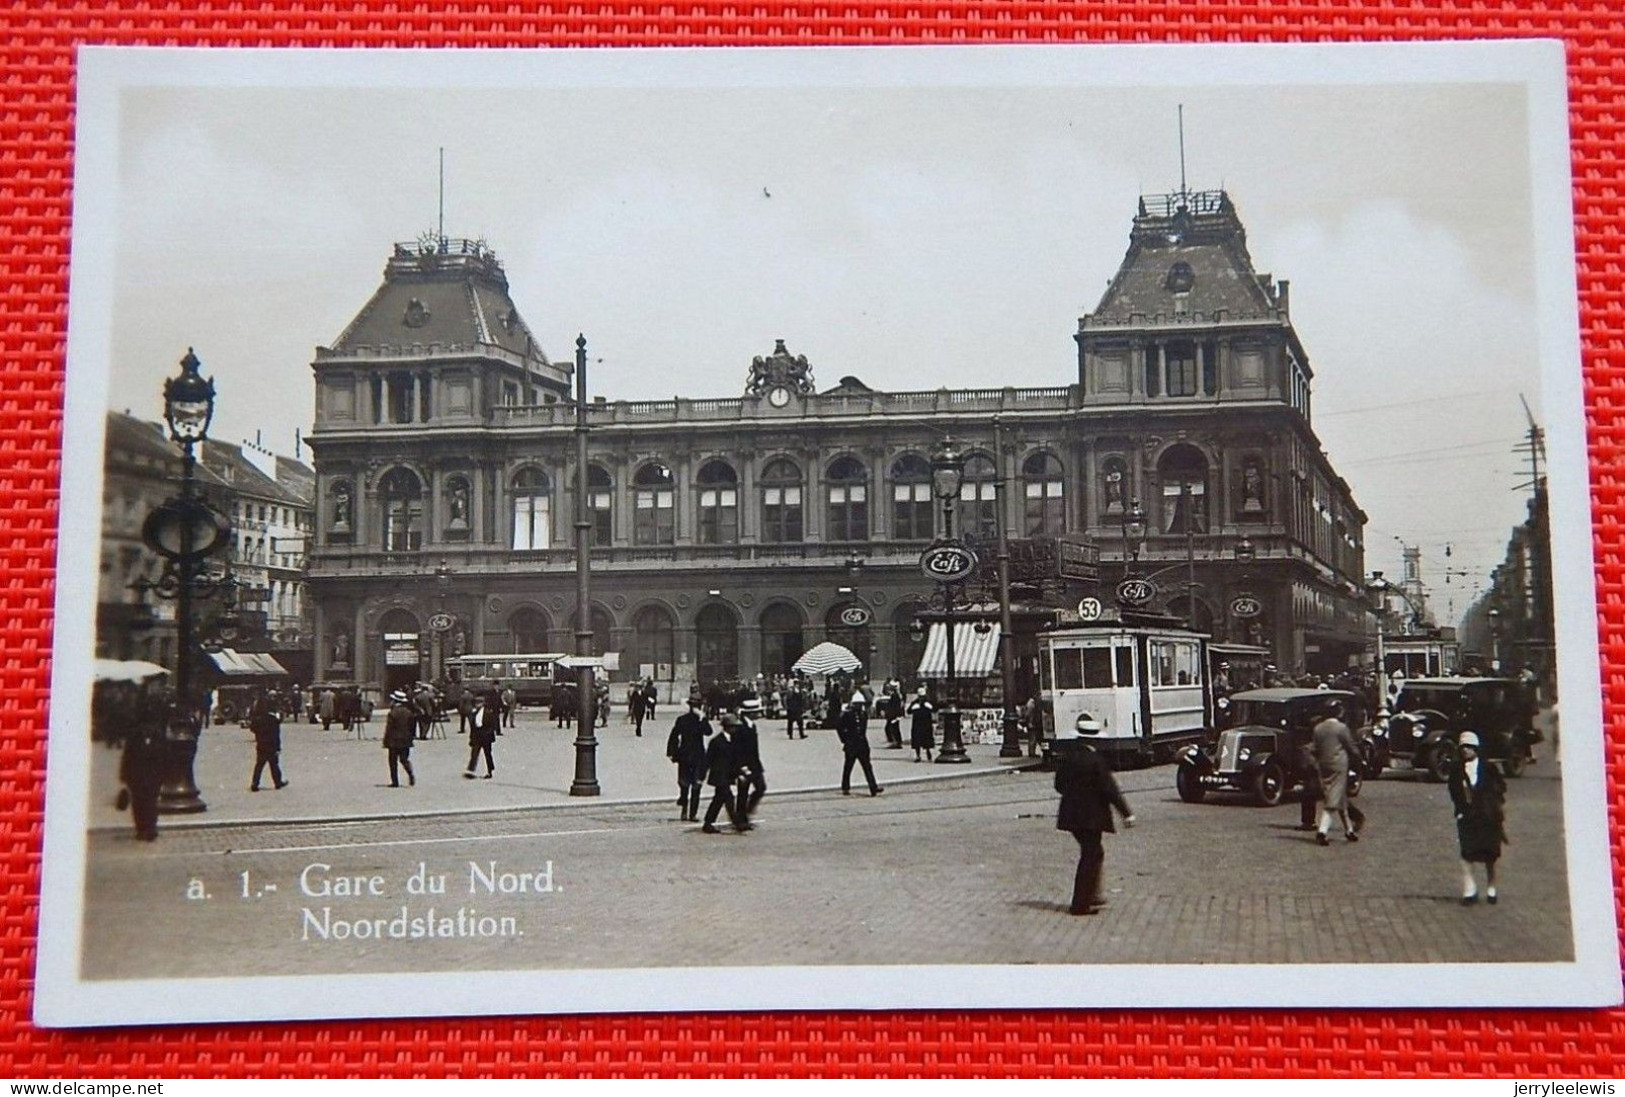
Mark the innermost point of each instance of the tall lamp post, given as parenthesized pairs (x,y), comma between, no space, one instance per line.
(1495,639)
(1133,519)
(947,474)
(185,530)
(1010,746)
(586,777)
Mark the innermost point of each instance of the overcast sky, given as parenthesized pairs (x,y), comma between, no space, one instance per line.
(913,236)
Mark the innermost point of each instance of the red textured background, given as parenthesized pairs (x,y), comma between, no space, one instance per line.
(36,131)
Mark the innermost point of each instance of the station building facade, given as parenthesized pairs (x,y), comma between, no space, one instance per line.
(730,534)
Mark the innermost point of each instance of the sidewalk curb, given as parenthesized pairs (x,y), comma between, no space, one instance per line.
(192,822)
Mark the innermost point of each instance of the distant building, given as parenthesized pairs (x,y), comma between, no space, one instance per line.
(270,520)
(732,533)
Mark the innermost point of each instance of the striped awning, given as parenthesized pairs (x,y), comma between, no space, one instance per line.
(975,653)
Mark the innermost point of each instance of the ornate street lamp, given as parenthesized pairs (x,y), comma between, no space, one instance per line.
(1010,739)
(947,474)
(1133,520)
(185,530)
(586,744)
(1495,639)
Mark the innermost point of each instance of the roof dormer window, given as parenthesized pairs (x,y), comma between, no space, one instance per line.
(1180,278)
(417,314)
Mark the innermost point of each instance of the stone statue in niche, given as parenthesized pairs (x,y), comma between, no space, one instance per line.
(341,506)
(341,649)
(459,503)
(1252,487)
(1115,487)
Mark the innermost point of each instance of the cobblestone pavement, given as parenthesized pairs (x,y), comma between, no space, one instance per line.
(334,776)
(969,870)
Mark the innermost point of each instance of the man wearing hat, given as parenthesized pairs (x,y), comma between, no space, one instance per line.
(399,733)
(686,747)
(855,745)
(721,769)
(748,756)
(1089,792)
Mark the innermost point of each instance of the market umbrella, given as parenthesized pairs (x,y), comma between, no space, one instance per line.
(827,658)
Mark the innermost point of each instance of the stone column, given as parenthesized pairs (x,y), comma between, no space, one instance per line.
(686,502)
(814,500)
(750,503)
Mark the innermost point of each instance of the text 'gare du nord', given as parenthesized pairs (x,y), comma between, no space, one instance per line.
(731,534)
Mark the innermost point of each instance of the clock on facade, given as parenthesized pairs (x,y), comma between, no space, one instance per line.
(778,396)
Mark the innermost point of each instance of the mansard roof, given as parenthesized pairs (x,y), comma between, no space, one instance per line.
(1187,255)
(452,293)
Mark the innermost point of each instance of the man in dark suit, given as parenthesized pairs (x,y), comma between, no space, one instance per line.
(1088,794)
(721,770)
(855,745)
(748,757)
(266,724)
(686,747)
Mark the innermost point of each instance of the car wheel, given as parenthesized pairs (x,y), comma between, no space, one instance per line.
(1190,789)
(1269,784)
(1441,762)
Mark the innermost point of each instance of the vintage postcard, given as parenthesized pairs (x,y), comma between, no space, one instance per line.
(577,531)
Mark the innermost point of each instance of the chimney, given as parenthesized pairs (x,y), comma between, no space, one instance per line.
(1283,297)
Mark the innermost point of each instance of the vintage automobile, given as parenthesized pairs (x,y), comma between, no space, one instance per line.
(1258,752)
(1429,714)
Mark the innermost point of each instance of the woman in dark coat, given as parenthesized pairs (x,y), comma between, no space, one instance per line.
(1088,794)
(920,731)
(487,726)
(1478,792)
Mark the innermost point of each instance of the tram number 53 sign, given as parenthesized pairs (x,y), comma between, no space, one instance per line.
(947,563)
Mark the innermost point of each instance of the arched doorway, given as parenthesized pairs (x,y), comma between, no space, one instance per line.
(654,644)
(910,648)
(1183,472)
(782,641)
(528,627)
(848,624)
(1193,611)
(602,624)
(716,640)
(399,646)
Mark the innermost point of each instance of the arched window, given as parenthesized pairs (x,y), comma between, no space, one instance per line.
(402,655)
(1183,472)
(782,642)
(1114,488)
(532,509)
(911,498)
(979,498)
(848,501)
(400,494)
(654,506)
(600,504)
(717,491)
(716,641)
(528,627)
(1042,492)
(456,505)
(781,502)
(654,640)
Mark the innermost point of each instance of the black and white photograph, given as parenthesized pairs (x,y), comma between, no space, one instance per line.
(634,530)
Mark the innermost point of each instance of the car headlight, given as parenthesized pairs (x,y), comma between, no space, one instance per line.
(1087,724)
(1244,754)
